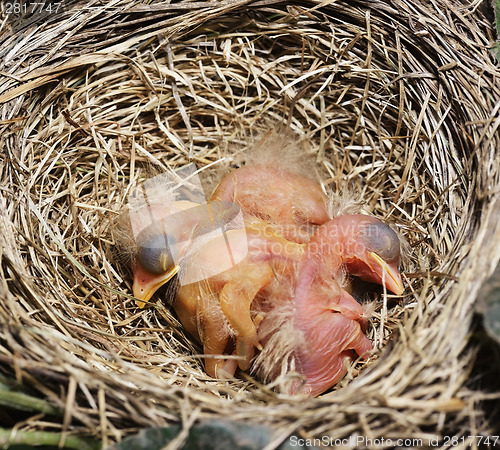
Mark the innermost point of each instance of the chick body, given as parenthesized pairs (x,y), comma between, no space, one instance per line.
(321,326)
(282,289)
(218,309)
(292,201)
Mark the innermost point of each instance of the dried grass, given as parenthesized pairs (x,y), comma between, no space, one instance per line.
(401,103)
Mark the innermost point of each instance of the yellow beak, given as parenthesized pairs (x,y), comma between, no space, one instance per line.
(388,273)
(146,284)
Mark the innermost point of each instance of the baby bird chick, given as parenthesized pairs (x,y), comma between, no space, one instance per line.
(272,284)
(221,276)
(323,325)
(172,230)
(294,202)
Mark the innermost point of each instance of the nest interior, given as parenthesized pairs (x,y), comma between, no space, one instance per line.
(397,100)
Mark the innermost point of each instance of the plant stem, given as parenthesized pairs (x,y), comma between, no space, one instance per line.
(18,400)
(12,437)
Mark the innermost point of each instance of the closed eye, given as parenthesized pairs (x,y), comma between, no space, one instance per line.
(154,251)
(382,240)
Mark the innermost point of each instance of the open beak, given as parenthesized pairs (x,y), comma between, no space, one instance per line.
(388,273)
(146,284)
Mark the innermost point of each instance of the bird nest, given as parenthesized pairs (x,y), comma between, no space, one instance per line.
(397,101)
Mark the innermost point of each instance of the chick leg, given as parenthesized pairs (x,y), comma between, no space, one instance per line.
(198,310)
(236,298)
(215,339)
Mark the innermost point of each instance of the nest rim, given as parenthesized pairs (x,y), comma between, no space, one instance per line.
(446,134)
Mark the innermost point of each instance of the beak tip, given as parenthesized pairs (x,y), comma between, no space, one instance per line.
(393,280)
(141,297)
(395,283)
(399,290)
(140,304)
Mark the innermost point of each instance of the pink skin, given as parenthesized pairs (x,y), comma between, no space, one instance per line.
(329,321)
(365,245)
(165,234)
(204,307)
(329,318)
(292,201)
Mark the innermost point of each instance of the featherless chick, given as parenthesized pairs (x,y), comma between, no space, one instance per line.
(268,293)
